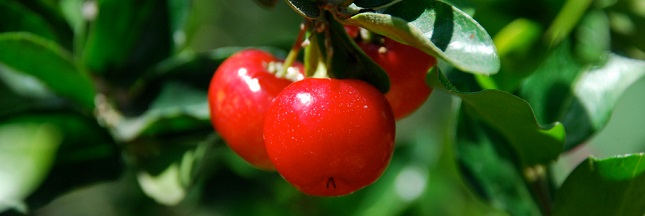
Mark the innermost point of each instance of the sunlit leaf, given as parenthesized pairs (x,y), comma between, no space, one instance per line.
(609,186)
(27,152)
(582,97)
(438,29)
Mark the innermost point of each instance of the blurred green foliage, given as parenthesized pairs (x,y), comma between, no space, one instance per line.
(103,110)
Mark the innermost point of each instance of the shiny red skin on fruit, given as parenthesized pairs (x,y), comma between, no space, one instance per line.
(330,137)
(352,30)
(239,95)
(407,67)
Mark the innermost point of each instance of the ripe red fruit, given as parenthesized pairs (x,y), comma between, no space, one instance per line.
(352,30)
(330,137)
(407,67)
(240,94)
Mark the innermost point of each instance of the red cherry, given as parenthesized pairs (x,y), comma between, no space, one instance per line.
(407,67)
(239,95)
(352,30)
(330,137)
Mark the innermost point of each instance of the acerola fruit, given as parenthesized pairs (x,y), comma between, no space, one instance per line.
(330,137)
(407,68)
(239,95)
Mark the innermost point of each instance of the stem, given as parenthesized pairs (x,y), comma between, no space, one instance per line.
(539,185)
(293,53)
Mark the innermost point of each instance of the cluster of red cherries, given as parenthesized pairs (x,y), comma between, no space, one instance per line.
(325,136)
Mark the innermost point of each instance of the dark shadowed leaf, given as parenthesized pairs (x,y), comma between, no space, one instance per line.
(306,8)
(16,17)
(48,63)
(126,37)
(486,163)
(349,60)
(267,3)
(178,107)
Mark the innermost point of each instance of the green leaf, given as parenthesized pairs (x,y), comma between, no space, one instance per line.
(126,37)
(488,165)
(580,96)
(521,52)
(87,154)
(183,166)
(267,3)
(438,29)
(349,60)
(592,36)
(27,152)
(306,8)
(513,118)
(178,107)
(15,17)
(50,64)
(179,11)
(610,186)
(596,91)
(371,3)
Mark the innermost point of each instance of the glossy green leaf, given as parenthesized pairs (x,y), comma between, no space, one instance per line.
(609,186)
(487,165)
(596,91)
(50,64)
(438,29)
(27,152)
(126,37)
(513,118)
(306,8)
(16,17)
(582,97)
